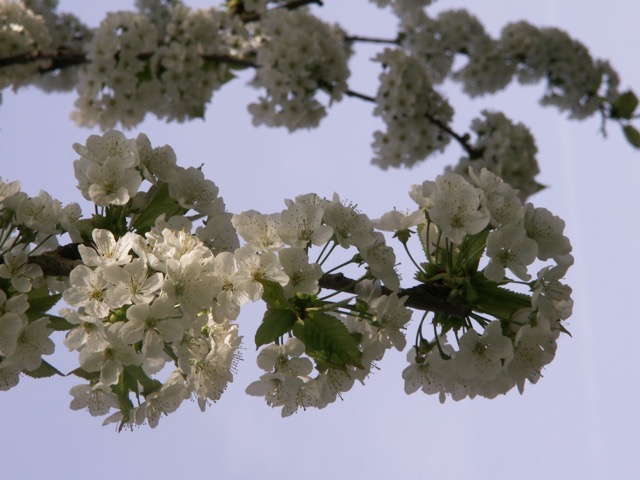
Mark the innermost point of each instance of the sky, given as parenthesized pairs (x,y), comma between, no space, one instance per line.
(579,421)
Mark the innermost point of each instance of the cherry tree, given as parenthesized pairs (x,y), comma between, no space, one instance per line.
(148,287)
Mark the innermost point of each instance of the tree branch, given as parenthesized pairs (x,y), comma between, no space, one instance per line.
(463,140)
(59,60)
(65,59)
(357,38)
(58,262)
(427,297)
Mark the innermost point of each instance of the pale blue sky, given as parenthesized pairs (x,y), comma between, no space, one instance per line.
(579,421)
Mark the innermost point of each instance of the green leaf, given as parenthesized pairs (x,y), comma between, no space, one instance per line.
(82,373)
(496,301)
(85,227)
(36,293)
(45,370)
(633,136)
(328,342)
(624,106)
(274,324)
(273,295)
(38,304)
(161,203)
(59,324)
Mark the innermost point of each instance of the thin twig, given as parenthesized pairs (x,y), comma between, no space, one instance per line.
(357,38)
(463,140)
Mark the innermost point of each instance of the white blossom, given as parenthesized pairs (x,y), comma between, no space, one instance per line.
(19,271)
(301,225)
(111,359)
(509,247)
(32,343)
(260,231)
(458,209)
(303,276)
(97,399)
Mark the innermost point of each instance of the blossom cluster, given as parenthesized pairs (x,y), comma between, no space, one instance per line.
(298,55)
(134,62)
(168,59)
(141,302)
(22,32)
(476,234)
(288,381)
(111,169)
(575,81)
(147,292)
(412,111)
(310,221)
(506,149)
(28,225)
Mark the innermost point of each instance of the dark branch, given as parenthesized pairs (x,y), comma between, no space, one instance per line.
(239,62)
(58,262)
(427,297)
(357,38)
(300,3)
(463,140)
(361,96)
(64,59)
(59,60)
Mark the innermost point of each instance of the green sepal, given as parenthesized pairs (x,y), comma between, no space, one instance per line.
(448,323)
(161,203)
(328,341)
(169,351)
(475,246)
(114,220)
(403,235)
(564,330)
(45,370)
(624,106)
(274,324)
(497,301)
(632,135)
